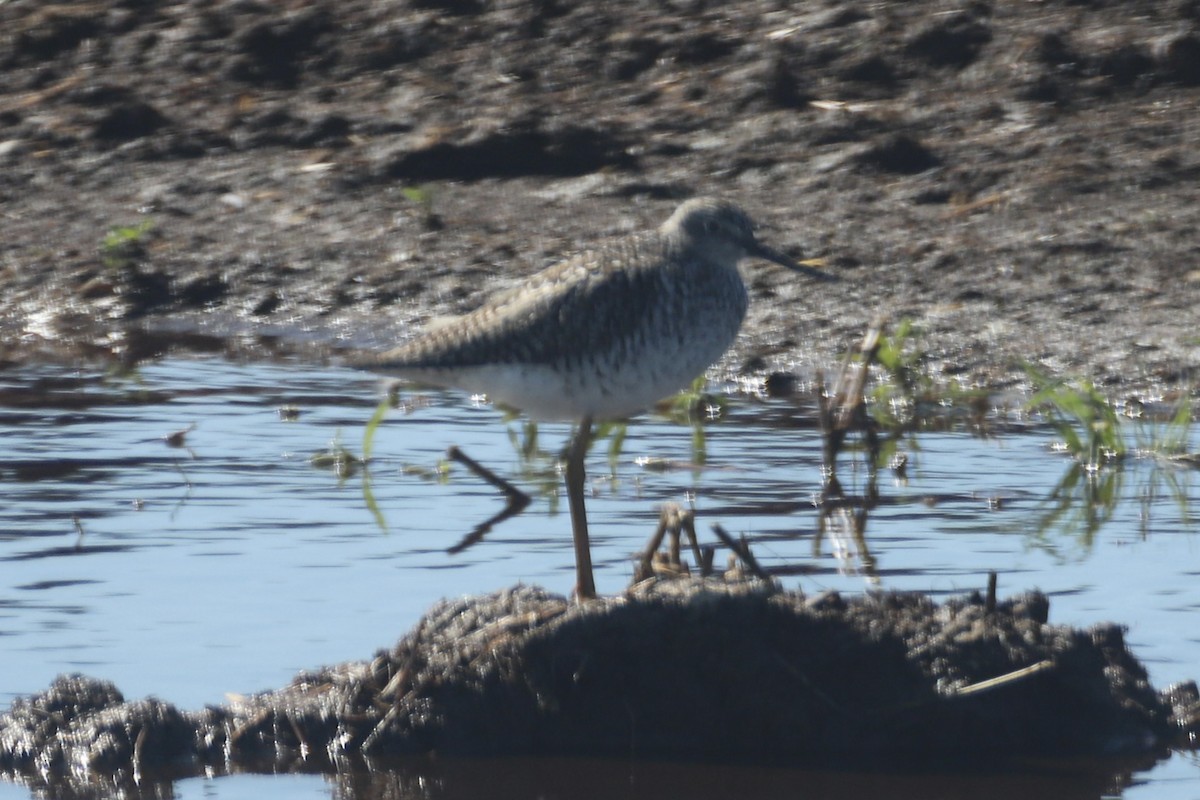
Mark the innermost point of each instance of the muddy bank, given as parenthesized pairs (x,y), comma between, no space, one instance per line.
(681,669)
(1018,178)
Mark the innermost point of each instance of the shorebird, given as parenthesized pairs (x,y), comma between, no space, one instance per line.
(602,335)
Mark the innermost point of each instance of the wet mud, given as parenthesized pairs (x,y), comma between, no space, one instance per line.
(682,668)
(1019,179)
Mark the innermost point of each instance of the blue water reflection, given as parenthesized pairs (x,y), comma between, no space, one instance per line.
(230,562)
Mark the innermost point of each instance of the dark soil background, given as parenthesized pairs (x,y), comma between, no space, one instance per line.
(1020,178)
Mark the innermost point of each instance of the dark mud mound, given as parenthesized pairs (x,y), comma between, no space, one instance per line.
(679,669)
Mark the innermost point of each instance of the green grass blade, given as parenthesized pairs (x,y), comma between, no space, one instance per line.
(373,423)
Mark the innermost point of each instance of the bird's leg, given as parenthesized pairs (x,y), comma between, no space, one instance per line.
(576,453)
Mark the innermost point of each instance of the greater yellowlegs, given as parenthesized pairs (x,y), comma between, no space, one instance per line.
(601,336)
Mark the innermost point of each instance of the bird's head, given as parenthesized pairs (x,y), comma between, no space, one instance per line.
(726,233)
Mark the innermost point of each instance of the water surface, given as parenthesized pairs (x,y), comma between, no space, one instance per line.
(229,562)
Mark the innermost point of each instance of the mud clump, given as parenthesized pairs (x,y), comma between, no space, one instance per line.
(687,668)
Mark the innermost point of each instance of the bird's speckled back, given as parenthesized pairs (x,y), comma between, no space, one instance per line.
(605,333)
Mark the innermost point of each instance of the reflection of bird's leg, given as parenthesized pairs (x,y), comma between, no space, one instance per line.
(517,500)
(576,453)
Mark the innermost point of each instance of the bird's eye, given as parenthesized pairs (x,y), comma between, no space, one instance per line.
(711,226)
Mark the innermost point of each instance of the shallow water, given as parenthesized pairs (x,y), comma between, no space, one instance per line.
(230,562)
